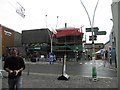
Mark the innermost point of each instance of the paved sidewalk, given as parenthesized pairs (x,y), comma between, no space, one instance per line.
(46,80)
(40,80)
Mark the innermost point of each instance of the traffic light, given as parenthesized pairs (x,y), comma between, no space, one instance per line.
(95,37)
(90,37)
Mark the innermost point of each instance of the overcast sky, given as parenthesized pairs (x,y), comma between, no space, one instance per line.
(69,11)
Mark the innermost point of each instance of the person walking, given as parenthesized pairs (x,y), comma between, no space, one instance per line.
(106,54)
(106,57)
(14,65)
(102,54)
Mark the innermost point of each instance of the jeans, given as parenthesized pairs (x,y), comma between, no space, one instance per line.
(15,83)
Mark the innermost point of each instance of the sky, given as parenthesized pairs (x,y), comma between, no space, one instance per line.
(68,11)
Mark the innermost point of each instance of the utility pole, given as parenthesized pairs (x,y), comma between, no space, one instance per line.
(94,72)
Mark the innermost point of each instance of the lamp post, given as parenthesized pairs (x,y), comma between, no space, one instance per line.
(51,37)
(48,33)
(94,72)
(57,22)
(50,54)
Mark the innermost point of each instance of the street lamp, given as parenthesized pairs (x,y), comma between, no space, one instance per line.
(48,33)
(94,72)
(57,22)
(51,36)
(50,55)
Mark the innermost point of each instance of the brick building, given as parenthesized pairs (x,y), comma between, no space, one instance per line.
(10,38)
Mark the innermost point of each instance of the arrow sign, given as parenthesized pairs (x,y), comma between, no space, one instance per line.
(100,33)
(95,29)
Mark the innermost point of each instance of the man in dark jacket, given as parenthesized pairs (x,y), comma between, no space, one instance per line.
(14,65)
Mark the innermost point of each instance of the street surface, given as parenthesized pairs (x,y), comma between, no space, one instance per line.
(72,68)
(44,75)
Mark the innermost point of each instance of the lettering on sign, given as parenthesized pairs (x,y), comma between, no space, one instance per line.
(7,33)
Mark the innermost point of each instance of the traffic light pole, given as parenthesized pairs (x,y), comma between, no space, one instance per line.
(94,72)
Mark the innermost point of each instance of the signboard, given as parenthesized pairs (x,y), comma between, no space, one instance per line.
(100,33)
(95,29)
(97,46)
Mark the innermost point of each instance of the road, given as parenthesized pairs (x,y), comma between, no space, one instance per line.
(44,75)
(72,68)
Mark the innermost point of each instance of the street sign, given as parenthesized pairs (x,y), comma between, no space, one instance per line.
(100,33)
(95,29)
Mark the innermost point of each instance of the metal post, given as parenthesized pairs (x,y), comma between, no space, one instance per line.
(51,39)
(51,45)
(57,22)
(46,20)
(94,72)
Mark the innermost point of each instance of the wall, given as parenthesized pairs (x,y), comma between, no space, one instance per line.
(7,38)
(35,36)
(115,0)
(17,39)
(116,22)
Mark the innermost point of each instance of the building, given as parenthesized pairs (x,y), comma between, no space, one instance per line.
(35,36)
(37,40)
(112,38)
(107,45)
(88,49)
(68,42)
(10,38)
(116,23)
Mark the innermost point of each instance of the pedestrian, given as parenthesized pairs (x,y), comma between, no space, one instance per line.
(106,57)
(14,65)
(106,54)
(102,54)
(110,55)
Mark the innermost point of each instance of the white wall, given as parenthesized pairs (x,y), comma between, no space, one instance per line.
(116,22)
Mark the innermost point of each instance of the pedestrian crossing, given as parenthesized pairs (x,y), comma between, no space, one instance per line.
(40,62)
(90,63)
(100,64)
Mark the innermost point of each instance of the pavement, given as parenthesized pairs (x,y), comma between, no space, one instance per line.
(45,80)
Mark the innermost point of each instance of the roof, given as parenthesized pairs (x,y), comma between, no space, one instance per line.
(68,32)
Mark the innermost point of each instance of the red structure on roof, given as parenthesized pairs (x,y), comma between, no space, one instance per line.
(68,32)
